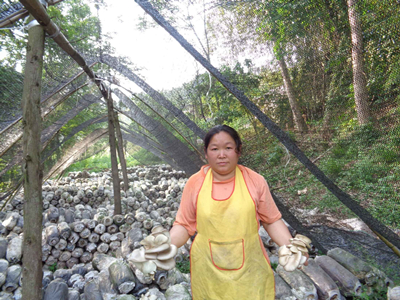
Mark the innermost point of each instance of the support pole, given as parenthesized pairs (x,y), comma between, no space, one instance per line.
(113,154)
(121,155)
(33,174)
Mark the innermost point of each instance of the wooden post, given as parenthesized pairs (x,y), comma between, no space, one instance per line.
(120,148)
(113,153)
(33,174)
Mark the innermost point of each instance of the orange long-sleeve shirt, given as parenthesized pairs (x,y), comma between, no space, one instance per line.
(266,208)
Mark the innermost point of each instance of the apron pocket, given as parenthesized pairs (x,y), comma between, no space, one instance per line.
(227,255)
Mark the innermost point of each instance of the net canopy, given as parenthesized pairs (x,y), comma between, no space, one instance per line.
(326,72)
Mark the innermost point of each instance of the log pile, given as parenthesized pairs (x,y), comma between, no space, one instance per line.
(85,247)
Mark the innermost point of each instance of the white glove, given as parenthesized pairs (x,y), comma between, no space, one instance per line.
(293,256)
(158,252)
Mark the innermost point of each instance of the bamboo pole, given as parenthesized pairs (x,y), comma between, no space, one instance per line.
(33,173)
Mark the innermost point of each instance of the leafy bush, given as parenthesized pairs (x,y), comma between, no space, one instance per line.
(332,167)
(275,156)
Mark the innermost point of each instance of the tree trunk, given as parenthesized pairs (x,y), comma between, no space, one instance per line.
(345,198)
(121,154)
(298,119)
(113,154)
(33,175)
(359,78)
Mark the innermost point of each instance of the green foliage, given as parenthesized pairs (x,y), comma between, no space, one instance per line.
(183,266)
(274,266)
(332,167)
(275,155)
(97,163)
(53,267)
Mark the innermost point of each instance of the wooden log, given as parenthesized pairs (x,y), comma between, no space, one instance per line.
(282,289)
(326,287)
(348,283)
(302,286)
(363,271)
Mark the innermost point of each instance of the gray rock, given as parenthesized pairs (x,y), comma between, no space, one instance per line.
(120,273)
(73,295)
(64,274)
(57,289)
(12,278)
(3,247)
(92,290)
(18,294)
(14,250)
(177,292)
(3,266)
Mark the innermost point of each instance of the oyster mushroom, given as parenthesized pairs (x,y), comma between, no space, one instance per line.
(165,264)
(293,262)
(168,254)
(138,255)
(158,249)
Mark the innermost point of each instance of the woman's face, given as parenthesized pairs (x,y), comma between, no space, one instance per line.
(222,156)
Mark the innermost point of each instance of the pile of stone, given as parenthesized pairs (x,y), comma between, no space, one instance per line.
(86,247)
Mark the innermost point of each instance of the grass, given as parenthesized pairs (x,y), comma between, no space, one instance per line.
(183,266)
(363,161)
(102,162)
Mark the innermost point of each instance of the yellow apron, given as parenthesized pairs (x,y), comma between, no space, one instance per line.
(226,258)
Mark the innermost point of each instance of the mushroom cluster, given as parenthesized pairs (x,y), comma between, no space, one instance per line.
(293,256)
(157,252)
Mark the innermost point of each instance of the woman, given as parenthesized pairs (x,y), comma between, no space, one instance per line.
(224,203)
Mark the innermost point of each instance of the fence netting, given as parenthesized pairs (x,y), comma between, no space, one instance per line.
(327,72)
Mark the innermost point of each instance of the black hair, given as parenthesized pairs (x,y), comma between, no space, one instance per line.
(229,130)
